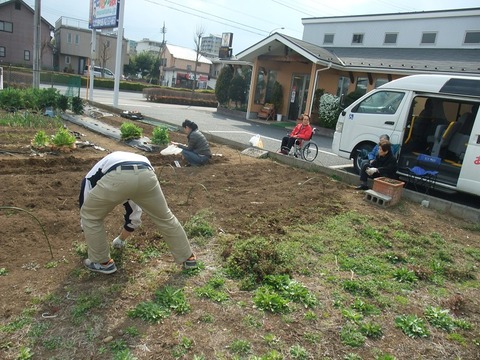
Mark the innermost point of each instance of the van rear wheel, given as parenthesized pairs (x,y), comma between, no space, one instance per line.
(360,154)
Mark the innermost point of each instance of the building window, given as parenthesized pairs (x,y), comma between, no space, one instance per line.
(18,5)
(357,39)
(6,26)
(3,51)
(390,38)
(328,38)
(361,87)
(26,55)
(77,39)
(342,87)
(69,38)
(429,37)
(472,37)
(189,67)
(67,60)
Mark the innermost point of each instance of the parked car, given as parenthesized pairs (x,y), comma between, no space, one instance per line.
(99,72)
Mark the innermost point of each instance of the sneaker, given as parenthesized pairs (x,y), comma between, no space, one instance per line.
(106,268)
(190,263)
(118,243)
(361,187)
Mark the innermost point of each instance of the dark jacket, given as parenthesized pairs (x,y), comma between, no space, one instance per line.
(197,143)
(386,165)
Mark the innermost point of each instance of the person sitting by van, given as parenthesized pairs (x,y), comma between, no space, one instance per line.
(302,131)
(385,164)
(369,157)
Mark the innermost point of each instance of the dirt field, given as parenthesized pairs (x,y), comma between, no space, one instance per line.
(247,196)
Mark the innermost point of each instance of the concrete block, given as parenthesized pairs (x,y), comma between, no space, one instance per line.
(377,198)
(255,152)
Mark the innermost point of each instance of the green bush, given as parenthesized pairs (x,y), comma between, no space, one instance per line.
(129,131)
(63,138)
(62,102)
(40,140)
(160,135)
(77,105)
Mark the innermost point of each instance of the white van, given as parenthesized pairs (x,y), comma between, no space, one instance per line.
(99,72)
(436,115)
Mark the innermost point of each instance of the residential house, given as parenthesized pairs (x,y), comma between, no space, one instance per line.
(345,54)
(17,36)
(73,43)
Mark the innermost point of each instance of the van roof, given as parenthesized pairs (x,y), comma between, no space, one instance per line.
(444,84)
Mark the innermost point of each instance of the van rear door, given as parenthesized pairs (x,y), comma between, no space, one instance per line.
(469,180)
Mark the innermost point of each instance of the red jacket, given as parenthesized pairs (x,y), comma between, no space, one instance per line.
(302,132)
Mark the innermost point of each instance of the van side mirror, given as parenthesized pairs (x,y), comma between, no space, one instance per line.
(344,113)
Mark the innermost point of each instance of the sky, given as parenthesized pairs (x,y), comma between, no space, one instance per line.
(250,21)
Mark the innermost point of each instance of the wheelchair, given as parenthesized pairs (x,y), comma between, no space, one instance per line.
(305,149)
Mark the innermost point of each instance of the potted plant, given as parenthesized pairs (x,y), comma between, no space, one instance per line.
(277,99)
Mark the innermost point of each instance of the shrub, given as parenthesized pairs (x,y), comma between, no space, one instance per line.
(77,105)
(63,138)
(129,131)
(62,102)
(160,135)
(329,110)
(40,140)
(223,83)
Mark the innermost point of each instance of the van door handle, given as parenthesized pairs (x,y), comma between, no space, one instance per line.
(389,123)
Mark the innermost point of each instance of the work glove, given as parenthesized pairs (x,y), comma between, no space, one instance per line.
(371,171)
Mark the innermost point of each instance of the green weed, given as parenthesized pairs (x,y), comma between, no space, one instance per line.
(371,330)
(199,225)
(182,348)
(351,336)
(298,352)
(240,347)
(412,326)
(3,271)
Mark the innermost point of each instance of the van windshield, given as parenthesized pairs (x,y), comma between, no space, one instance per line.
(381,102)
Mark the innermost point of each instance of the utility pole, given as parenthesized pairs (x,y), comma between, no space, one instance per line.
(37,24)
(161,52)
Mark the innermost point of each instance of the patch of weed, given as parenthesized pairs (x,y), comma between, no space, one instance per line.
(412,326)
(240,347)
(351,336)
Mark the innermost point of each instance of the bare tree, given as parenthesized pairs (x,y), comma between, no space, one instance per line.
(104,54)
(197,40)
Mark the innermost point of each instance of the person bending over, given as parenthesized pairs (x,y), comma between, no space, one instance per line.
(385,164)
(197,152)
(302,131)
(126,178)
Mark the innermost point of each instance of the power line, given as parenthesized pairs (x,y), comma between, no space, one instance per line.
(229,23)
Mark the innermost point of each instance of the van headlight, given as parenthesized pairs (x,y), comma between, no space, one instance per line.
(339,127)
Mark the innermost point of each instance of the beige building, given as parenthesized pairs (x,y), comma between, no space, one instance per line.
(73,41)
(17,36)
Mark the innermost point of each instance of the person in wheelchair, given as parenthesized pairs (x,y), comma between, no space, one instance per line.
(303,131)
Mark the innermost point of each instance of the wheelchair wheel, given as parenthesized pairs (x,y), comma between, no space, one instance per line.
(310,151)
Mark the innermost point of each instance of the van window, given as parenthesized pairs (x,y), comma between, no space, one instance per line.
(381,102)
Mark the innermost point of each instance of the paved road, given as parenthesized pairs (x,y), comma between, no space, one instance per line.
(209,121)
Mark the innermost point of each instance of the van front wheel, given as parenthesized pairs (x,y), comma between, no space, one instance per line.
(360,154)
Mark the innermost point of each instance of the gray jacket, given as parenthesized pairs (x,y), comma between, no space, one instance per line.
(197,143)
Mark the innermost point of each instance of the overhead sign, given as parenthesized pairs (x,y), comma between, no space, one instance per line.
(104,14)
